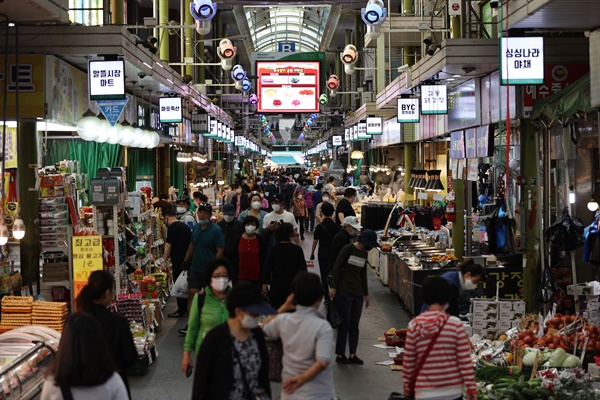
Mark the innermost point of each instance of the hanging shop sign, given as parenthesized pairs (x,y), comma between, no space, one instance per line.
(522,60)
(374,125)
(87,258)
(337,140)
(434,99)
(471,143)
(556,78)
(347,134)
(493,100)
(464,106)
(170,110)
(29,77)
(355,133)
(213,128)
(106,79)
(454,8)
(112,109)
(201,123)
(362,131)
(485,141)
(408,110)
(457,145)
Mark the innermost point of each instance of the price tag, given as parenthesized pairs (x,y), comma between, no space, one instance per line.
(422,196)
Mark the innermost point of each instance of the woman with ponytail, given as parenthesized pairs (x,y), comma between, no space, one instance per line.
(94,299)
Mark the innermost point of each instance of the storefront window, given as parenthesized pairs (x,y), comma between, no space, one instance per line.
(86,12)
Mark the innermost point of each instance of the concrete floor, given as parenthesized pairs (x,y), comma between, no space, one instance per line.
(165,380)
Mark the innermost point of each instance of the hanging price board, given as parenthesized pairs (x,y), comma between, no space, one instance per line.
(87,258)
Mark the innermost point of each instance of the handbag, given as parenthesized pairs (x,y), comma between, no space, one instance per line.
(334,317)
(275,349)
(180,288)
(411,394)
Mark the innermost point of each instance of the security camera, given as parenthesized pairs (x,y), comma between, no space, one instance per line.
(403,68)
(142,75)
(428,41)
(374,13)
(333,82)
(238,73)
(253,99)
(323,99)
(152,40)
(246,85)
(432,49)
(187,78)
(494,3)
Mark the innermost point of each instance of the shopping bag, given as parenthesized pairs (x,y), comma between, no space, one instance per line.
(333,314)
(180,288)
(275,350)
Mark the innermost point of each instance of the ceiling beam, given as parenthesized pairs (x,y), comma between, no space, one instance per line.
(242,25)
(330,26)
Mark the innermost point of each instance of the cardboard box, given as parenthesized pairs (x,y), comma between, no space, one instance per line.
(485,316)
(511,306)
(511,317)
(485,325)
(504,326)
(485,333)
(481,305)
(583,289)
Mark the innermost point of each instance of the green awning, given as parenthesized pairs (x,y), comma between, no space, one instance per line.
(284,160)
(574,98)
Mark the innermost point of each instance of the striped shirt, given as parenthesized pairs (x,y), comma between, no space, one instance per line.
(448,369)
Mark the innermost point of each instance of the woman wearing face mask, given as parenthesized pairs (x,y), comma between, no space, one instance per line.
(256,203)
(239,200)
(462,282)
(249,253)
(319,212)
(284,261)
(300,211)
(233,359)
(208,310)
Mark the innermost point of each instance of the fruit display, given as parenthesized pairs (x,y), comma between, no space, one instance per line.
(446,257)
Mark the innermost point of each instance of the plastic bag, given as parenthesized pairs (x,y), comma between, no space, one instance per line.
(180,288)
(566,234)
(333,314)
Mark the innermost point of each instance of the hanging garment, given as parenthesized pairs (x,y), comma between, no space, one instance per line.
(591,247)
(501,230)
(547,285)
(566,233)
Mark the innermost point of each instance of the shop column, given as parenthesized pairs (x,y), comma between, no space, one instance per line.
(163,40)
(27,160)
(117,8)
(164,175)
(458,226)
(189,45)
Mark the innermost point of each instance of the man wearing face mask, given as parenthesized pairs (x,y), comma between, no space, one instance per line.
(462,283)
(344,207)
(254,210)
(207,243)
(345,236)
(232,229)
(274,218)
(183,211)
(178,241)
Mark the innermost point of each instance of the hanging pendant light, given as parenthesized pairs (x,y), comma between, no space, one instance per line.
(357,155)
(411,181)
(128,134)
(87,126)
(435,184)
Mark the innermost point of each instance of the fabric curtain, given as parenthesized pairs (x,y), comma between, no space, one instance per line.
(140,162)
(358,166)
(177,169)
(56,151)
(133,159)
(92,155)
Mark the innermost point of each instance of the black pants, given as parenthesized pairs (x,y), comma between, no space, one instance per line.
(325,270)
(181,302)
(350,307)
(300,223)
(309,224)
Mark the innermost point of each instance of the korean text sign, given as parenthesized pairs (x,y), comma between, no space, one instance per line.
(106,80)
(374,125)
(170,110)
(434,99)
(457,145)
(408,110)
(87,258)
(522,60)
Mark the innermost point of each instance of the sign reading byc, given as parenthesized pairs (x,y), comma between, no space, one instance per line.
(374,125)
(434,99)
(408,110)
(337,140)
(170,110)
(522,60)
(106,79)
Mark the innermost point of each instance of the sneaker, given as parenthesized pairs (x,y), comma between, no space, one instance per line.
(183,331)
(342,360)
(355,360)
(177,314)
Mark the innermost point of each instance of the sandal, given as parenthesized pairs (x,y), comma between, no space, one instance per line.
(177,314)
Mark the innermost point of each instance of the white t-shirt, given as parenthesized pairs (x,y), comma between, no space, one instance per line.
(286,217)
(112,389)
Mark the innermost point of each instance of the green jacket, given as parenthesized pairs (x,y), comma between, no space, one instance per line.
(214,312)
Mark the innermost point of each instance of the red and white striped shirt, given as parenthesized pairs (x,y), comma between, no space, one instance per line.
(448,368)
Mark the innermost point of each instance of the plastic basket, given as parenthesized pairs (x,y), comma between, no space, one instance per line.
(140,367)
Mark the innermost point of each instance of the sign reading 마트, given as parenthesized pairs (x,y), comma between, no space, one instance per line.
(170,110)
(374,126)
(522,60)
(434,99)
(106,79)
(337,140)
(408,110)
(287,86)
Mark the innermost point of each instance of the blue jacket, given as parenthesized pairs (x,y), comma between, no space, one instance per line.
(453,279)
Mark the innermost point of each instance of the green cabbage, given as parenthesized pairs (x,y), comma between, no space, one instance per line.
(529,358)
(558,357)
(571,361)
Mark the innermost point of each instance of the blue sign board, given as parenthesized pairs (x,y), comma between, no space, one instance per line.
(286,47)
(112,109)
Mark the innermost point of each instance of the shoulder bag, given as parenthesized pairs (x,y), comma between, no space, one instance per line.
(411,394)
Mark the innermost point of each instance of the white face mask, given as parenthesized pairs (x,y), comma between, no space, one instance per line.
(203,221)
(299,197)
(276,207)
(238,191)
(249,322)
(228,218)
(181,210)
(256,205)
(250,229)
(469,285)
(325,198)
(219,284)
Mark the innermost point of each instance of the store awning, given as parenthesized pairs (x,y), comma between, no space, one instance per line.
(574,98)
(284,160)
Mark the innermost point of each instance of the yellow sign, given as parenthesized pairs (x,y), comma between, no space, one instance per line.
(30,77)
(87,258)
(11,148)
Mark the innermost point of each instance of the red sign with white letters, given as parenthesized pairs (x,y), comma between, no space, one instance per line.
(556,78)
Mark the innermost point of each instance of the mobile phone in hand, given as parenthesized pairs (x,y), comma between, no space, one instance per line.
(188,371)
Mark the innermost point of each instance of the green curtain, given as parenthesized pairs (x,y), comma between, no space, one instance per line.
(140,162)
(56,151)
(358,165)
(133,159)
(94,155)
(177,171)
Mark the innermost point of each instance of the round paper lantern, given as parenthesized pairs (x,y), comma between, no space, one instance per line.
(87,126)
(155,140)
(138,136)
(115,134)
(104,128)
(128,134)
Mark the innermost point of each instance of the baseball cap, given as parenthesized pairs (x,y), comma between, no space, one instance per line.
(353,222)
(368,238)
(228,209)
(206,207)
(248,297)
(183,199)
(276,198)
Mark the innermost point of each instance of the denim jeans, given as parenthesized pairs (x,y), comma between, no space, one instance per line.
(350,306)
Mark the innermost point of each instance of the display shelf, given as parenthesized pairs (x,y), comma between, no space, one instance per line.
(117,211)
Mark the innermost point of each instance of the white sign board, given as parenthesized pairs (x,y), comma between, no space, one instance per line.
(362,131)
(355,132)
(434,99)
(408,110)
(347,134)
(454,8)
(337,140)
(374,126)
(106,79)
(522,61)
(170,110)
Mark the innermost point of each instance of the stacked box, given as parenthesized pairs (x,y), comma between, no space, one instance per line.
(583,289)
(589,307)
(511,312)
(489,317)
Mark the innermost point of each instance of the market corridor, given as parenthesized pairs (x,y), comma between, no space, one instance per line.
(165,380)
